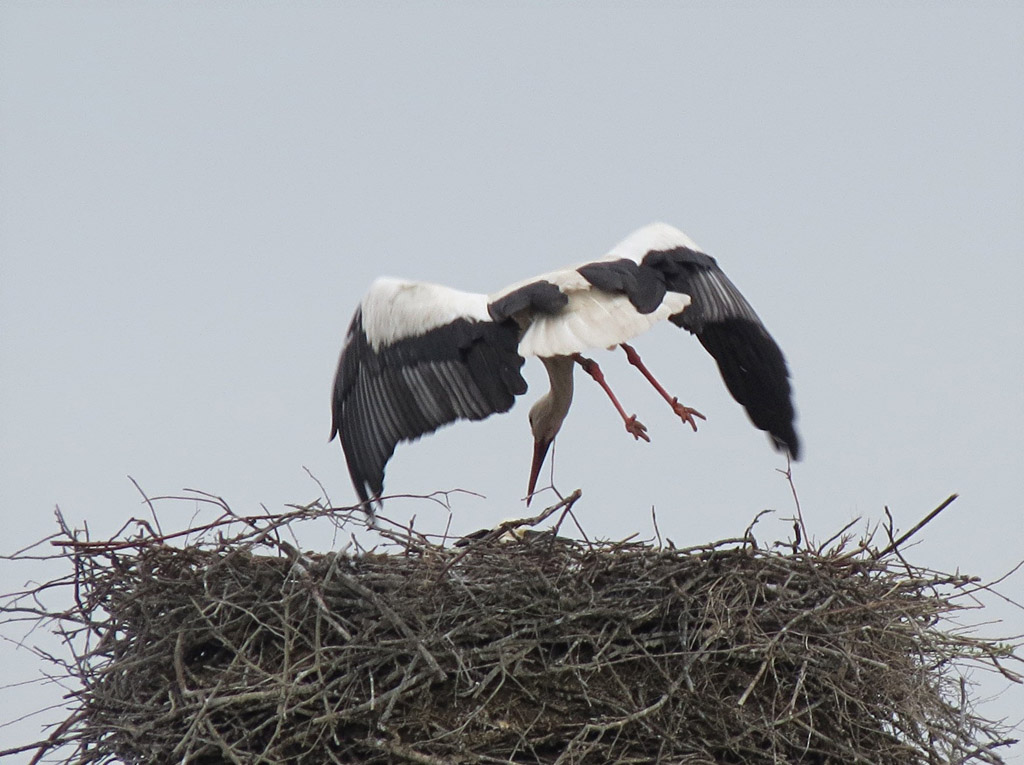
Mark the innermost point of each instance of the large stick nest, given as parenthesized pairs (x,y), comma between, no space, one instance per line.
(515,648)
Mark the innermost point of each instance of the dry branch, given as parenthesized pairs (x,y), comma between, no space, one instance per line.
(231,646)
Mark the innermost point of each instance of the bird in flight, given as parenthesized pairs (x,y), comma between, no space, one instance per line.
(418,355)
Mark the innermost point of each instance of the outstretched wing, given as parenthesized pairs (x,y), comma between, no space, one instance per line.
(751,362)
(417,356)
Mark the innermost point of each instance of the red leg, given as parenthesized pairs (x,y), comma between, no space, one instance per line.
(635,428)
(686,413)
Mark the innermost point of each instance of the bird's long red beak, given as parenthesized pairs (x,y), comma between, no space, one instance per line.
(540,451)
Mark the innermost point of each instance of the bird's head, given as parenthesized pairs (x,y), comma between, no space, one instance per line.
(545,426)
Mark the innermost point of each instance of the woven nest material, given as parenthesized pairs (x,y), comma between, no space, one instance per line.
(522,648)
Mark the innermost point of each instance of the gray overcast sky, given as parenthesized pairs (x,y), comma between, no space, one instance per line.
(195,196)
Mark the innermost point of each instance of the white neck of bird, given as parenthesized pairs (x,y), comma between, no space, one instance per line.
(551,409)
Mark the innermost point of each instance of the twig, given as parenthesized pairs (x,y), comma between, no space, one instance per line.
(149,504)
(788,473)
(920,525)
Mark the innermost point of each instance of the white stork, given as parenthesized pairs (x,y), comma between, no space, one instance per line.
(419,355)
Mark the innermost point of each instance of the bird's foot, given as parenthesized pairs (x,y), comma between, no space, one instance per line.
(686,413)
(637,429)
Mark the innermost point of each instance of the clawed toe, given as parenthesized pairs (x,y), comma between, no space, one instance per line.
(637,429)
(686,413)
